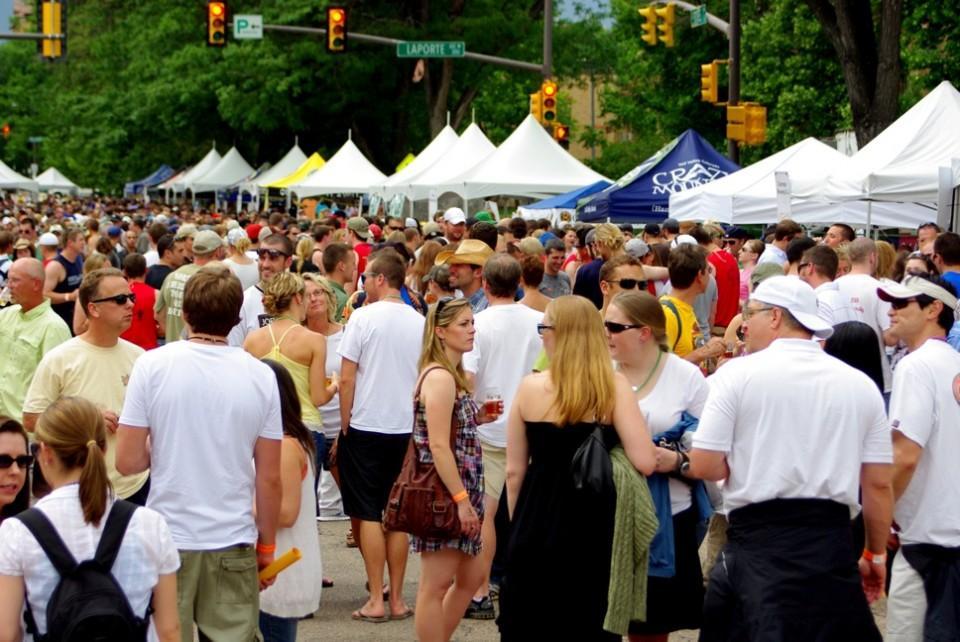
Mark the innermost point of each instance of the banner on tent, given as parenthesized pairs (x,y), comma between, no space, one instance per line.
(687,174)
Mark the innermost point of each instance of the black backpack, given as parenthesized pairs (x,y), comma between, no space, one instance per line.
(88,603)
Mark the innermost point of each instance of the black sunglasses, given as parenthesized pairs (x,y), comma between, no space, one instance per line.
(730,242)
(900,304)
(616,328)
(630,284)
(273,254)
(542,327)
(442,302)
(23,461)
(120,299)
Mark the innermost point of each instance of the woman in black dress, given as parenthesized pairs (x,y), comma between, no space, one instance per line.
(558,555)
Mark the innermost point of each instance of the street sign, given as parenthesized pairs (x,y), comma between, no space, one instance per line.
(698,16)
(431,49)
(248,27)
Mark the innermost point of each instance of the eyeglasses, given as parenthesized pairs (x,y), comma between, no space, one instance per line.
(120,299)
(616,328)
(900,304)
(364,276)
(22,461)
(750,312)
(393,228)
(273,254)
(630,284)
(542,327)
(730,241)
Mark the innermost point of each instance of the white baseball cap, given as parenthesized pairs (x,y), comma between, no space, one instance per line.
(797,298)
(914,285)
(411,222)
(454,216)
(48,239)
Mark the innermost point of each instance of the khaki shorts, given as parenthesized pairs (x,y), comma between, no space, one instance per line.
(220,593)
(494,470)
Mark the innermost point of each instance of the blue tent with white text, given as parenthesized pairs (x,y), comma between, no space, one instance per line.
(642,195)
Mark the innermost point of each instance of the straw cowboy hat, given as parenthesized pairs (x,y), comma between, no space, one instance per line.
(470,252)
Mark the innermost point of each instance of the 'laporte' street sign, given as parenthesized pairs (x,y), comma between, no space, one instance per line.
(698,16)
(431,49)
(248,27)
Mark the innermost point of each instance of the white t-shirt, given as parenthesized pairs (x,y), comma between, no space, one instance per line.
(504,349)
(861,291)
(252,316)
(384,340)
(248,273)
(205,407)
(773,254)
(831,306)
(794,423)
(681,386)
(925,407)
(152,257)
(330,411)
(146,553)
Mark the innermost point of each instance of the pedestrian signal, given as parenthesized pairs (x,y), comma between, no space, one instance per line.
(336,29)
(561,134)
(216,24)
(5,130)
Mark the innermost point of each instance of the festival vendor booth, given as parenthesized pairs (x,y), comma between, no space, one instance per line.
(290,162)
(190,176)
(141,186)
(53,181)
(642,195)
(400,182)
(11,180)
(472,148)
(231,169)
(561,208)
(347,172)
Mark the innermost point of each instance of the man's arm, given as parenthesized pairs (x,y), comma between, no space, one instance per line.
(906,456)
(53,275)
(877,498)
(266,459)
(348,380)
(133,449)
(710,465)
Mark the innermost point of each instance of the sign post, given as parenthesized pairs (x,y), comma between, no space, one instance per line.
(248,27)
(431,49)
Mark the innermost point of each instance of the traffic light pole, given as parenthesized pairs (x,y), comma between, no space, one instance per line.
(733,96)
(547,38)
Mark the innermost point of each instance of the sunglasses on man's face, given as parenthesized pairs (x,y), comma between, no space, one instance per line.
(630,284)
(22,461)
(272,254)
(900,304)
(120,299)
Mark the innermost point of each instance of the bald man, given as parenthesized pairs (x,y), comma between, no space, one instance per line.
(28,330)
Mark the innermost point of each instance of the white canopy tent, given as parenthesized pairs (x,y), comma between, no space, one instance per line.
(186,180)
(470,149)
(52,180)
(231,169)
(528,163)
(399,183)
(346,172)
(750,195)
(914,160)
(9,179)
(290,162)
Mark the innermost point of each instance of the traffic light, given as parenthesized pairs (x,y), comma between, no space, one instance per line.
(649,26)
(536,106)
(5,130)
(216,24)
(548,98)
(336,29)
(51,23)
(668,16)
(709,82)
(561,134)
(747,123)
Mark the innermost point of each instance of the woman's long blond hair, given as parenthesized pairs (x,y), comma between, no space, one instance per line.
(432,351)
(580,366)
(73,428)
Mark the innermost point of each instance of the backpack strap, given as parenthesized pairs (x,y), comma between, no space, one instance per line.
(113,533)
(49,540)
(667,303)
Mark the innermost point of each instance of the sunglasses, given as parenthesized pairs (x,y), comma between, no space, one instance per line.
(22,461)
(542,327)
(364,276)
(120,299)
(900,304)
(273,254)
(630,284)
(616,328)
(442,302)
(730,242)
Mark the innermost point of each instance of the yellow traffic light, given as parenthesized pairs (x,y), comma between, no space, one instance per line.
(561,134)
(668,16)
(709,82)
(548,100)
(747,123)
(649,26)
(51,23)
(336,29)
(216,24)
(536,106)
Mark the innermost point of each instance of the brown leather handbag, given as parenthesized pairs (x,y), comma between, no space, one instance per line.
(419,502)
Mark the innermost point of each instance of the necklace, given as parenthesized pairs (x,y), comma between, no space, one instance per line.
(207,339)
(285,317)
(393,296)
(652,370)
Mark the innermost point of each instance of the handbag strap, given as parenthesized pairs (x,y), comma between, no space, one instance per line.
(453,417)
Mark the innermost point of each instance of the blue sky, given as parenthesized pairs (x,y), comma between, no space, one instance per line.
(6,10)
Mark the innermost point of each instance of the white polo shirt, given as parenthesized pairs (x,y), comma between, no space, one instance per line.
(925,408)
(794,423)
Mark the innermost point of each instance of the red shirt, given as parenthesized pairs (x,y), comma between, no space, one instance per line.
(143,328)
(728,286)
(363,250)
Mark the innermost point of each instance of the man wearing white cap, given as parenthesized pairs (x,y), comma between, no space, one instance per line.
(48,244)
(454,224)
(797,435)
(925,417)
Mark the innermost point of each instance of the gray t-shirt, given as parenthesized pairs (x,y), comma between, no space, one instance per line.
(554,286)
(703,304)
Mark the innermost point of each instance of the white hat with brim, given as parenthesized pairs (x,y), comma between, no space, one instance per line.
(469,252)
(916,285)
(797,298)
(454,216)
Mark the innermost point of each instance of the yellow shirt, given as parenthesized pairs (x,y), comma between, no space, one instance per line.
(77,368)
(687,329)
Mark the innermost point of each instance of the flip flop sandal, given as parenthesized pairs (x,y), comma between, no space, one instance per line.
(403,616)
(360,617)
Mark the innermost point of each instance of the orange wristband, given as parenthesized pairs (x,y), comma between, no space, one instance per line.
(875,558)
(266,548)
(459,497)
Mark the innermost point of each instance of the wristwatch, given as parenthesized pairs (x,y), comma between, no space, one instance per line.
(683,463)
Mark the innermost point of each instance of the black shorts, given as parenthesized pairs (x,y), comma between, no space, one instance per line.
(369,464)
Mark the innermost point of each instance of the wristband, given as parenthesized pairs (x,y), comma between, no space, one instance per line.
(266,548)
(459,497)
(874,558)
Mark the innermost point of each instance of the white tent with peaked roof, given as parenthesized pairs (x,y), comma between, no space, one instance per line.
(346,172)
(231,169)
(399,183)
(470,149)
(52,180)
(9,179)
(186,180)
(528,163)
(287,165)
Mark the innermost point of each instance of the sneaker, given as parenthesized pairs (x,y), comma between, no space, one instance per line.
(338,516)
(480,610)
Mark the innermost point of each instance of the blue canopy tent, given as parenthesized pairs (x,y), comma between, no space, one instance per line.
(569,200)
(161,174)
(642,195)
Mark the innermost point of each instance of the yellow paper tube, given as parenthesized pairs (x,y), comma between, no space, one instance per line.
(290,557)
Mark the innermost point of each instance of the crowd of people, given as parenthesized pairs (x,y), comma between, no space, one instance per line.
(600,402)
